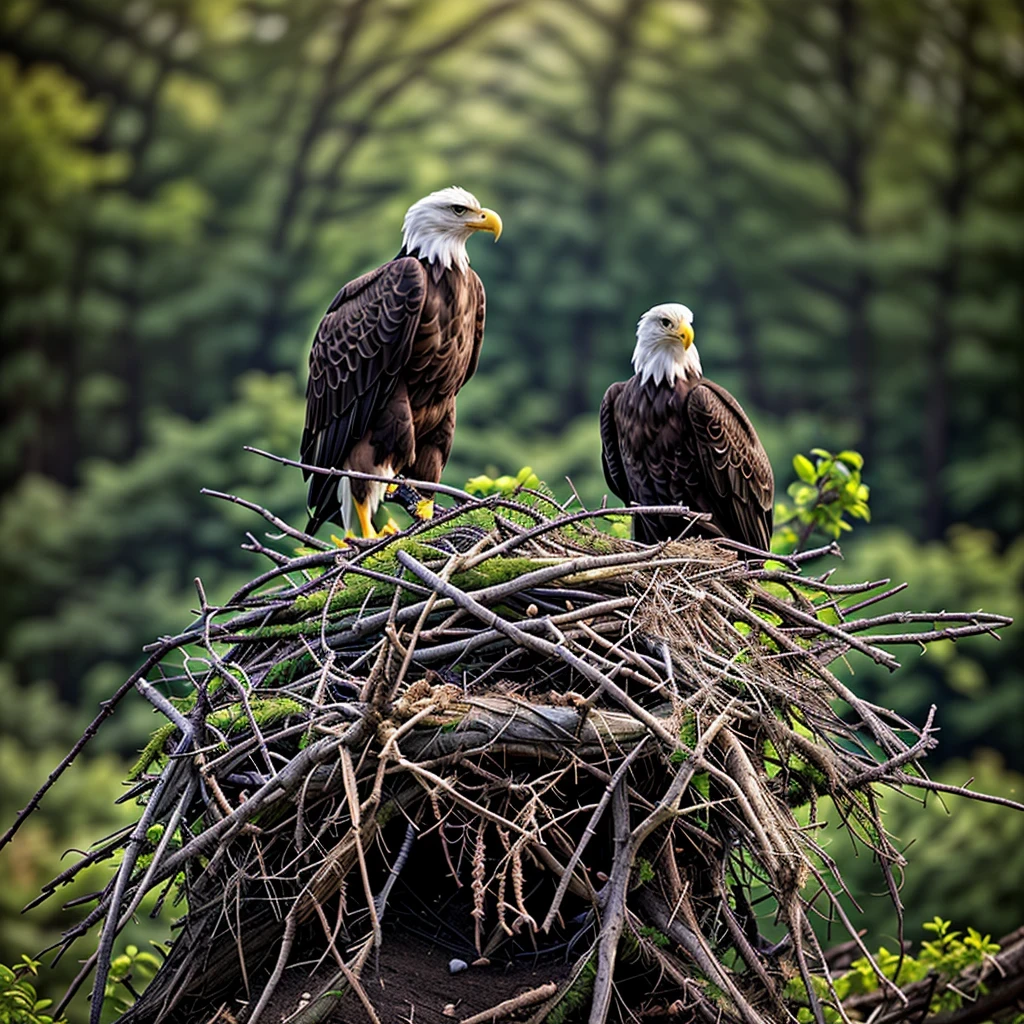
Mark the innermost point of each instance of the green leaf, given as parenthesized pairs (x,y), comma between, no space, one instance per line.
(480,485)
(851,458)
(804,469)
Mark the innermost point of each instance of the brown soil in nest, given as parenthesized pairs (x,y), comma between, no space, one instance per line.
(414,984)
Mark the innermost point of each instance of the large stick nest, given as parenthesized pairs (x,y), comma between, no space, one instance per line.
(595,768)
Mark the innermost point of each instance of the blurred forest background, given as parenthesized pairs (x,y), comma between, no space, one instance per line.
(836,187)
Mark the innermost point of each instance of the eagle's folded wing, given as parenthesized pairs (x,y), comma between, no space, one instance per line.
(611,456)
(738,481)
(361,346)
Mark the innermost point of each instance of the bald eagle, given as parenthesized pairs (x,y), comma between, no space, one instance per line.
(669,436)
(388,359)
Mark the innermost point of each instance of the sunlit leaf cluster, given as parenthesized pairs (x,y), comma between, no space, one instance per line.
(944,956)
(19,1003)
(825,492)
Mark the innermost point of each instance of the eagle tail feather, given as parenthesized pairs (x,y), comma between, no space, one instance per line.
(349,513)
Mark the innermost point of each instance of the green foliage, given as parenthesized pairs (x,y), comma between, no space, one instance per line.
(483,485)
(36,730)
(18,1001)
(947,954)
(620,526)
(661,940)
(824,493)
(129,974)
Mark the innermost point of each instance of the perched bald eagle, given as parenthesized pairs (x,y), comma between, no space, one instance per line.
(388,359)
(669,436)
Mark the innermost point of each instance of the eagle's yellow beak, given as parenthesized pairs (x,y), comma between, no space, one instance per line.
(685,334)
(487,221)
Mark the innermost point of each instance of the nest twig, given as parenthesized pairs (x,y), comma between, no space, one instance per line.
(613,754)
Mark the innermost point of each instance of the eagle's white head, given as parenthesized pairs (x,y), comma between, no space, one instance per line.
(664,345)
(438,226)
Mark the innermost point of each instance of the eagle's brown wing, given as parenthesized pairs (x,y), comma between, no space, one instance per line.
(611,457)
(361,346)
(738,485)
(478,324)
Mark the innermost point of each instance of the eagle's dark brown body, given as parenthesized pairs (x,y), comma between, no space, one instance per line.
(389,357)
(687,443)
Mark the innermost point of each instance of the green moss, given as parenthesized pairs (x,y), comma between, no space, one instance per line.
(288,670)
(306,613)
(387,811)
(229,719)
(494,571)
(804,778)
(153,749)
(265,711)
(687,736)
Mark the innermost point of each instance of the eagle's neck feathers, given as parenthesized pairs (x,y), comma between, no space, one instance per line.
(665,362)
(444,249)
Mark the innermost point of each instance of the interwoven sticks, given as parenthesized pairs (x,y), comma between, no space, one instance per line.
(600,753)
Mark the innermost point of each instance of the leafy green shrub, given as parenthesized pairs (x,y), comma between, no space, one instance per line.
(483,485)
(18,1001)
(947,954)
(129,973)
(35,731)
(824,492)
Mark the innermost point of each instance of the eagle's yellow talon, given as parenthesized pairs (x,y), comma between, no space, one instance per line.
(391,490)
(425,508)
(336,540)
(389,528)
(365,520)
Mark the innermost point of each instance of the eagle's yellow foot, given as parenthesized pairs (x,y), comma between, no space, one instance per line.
(390,491)
(424,508)
(389,529)
(365,520)
(338,542)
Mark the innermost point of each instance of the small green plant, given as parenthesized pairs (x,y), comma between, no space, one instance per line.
(129,974)
(644,871)
(946,955)
(19,1003)
(483,485)
(824,493)
(619,525)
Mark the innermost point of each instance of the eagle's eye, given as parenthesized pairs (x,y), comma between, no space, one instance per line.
(665,322)
(458,210)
